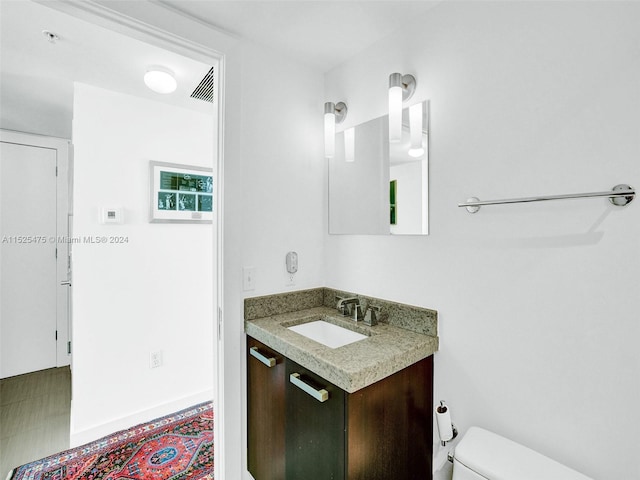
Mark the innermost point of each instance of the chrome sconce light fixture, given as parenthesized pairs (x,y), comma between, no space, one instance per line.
(401,88)
(333,114)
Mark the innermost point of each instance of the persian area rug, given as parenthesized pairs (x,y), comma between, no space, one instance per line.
(175,447)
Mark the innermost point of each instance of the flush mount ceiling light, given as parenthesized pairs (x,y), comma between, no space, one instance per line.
(333,114)
(401,88)
(160,79)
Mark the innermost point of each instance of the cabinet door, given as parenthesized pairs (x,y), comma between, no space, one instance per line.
(265,412)
(390,426)
(315,430)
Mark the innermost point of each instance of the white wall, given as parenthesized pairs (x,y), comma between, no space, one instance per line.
(282,188)
(537,303)
(274,202)
(154,292)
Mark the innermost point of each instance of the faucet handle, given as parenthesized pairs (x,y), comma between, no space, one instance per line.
(374,313)
(370,317)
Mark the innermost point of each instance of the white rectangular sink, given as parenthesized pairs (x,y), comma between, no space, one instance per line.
(327,333)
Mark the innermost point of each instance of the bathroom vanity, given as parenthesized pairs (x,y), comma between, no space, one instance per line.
(359,411)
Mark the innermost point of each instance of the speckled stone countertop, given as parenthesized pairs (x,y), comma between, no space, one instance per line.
(388,349)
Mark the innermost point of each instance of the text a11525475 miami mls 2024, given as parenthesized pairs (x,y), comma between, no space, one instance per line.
(85,239)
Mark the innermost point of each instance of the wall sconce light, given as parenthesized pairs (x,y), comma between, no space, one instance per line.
(350,144)
(401,88)
(160,79)
(333,114)
(416,149)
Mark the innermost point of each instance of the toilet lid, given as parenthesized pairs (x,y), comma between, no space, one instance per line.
(498,458)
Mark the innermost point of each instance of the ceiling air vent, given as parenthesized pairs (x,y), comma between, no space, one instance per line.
(204,90)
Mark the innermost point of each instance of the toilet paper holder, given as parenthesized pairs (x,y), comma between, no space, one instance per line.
(443,418)
(455,434)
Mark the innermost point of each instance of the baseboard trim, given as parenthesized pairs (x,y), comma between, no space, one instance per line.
(95,432)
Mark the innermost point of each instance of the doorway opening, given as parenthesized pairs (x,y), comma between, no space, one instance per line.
(145,301)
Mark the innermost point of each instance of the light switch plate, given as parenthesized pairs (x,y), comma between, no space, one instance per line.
(248,278)
(155,359)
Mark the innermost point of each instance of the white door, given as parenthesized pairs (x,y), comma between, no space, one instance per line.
(28,280)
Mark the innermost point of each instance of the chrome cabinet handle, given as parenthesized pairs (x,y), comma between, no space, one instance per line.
(320,395)
(66,283)
(268,361)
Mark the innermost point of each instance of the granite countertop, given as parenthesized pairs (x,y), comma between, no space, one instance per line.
(387,350)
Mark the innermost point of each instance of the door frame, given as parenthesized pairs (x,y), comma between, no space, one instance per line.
(62,147)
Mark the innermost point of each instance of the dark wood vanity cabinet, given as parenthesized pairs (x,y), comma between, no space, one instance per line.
(381,432)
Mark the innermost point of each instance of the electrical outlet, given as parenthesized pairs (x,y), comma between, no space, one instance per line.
(155,359)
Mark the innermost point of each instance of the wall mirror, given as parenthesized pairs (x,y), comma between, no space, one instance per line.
(377,187)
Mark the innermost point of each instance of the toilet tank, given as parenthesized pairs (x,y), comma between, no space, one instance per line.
(483,455)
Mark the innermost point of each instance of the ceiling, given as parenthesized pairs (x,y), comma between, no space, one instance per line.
(320,33)
(36,77)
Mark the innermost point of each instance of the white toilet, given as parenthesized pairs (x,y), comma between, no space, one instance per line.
(482,455)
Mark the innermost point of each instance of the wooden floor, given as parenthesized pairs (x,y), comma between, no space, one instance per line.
(34,416)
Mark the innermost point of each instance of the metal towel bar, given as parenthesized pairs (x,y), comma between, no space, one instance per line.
(620,195)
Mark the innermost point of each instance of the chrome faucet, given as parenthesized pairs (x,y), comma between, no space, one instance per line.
(350,307)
